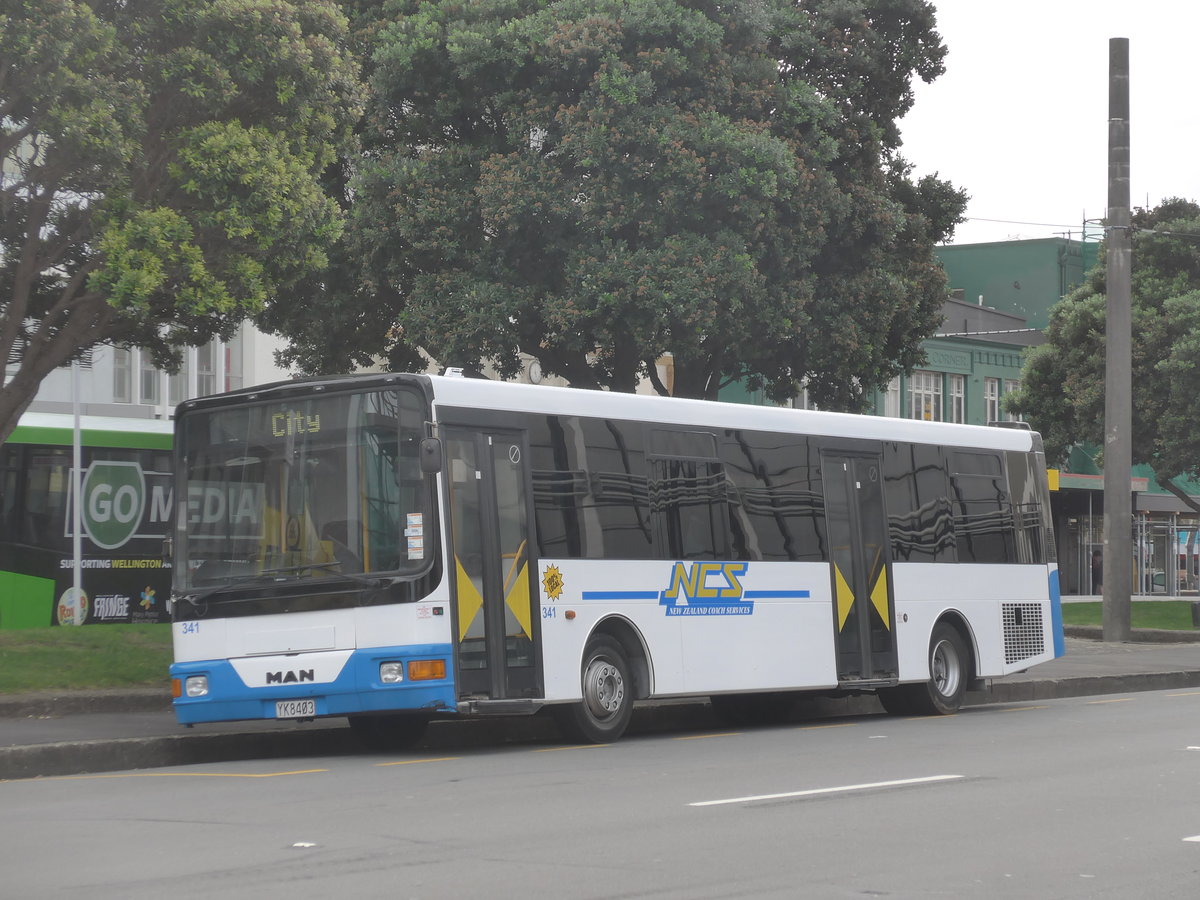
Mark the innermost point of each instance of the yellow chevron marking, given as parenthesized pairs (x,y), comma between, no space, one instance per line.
(518,601)
(879,598)
(845,597)
(470,601)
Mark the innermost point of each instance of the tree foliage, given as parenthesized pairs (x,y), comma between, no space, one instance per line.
(597,184)
(161,166)
(1062,389)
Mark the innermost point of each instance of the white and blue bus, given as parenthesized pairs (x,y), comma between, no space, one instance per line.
(397,548)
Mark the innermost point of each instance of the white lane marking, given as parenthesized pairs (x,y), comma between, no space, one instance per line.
(832,790)
(1195,839)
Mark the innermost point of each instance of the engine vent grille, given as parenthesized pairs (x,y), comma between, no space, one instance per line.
(1023,632)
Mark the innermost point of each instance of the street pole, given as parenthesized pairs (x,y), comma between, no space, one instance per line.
(76,481)
(1118,440)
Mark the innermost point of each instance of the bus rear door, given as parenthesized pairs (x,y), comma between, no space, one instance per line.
(864,610)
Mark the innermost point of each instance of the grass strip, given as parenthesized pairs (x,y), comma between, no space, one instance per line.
(89,657)
(1171,615)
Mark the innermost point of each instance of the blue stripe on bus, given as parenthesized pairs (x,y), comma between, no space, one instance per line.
(1056,618)
(654,595)
(620,595)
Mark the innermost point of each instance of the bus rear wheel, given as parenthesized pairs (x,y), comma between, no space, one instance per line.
(607,704)
(376,732)
(943,693)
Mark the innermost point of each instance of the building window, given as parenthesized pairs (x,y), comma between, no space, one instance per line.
(802,400)
(991,397)
(206,375)
(233,362)
(177,383)
(925,396)
(122,375)
(891,400)
(1010,386)
(958,398)
(149,379)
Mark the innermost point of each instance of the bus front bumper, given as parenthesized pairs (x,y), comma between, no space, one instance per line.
(304,686)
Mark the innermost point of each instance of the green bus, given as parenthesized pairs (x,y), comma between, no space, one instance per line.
(125,483)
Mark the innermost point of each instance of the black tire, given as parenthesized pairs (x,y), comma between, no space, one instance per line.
(607,705)
(897,701)
(949,672)
(378,732)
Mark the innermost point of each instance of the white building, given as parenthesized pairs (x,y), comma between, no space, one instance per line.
(122,381)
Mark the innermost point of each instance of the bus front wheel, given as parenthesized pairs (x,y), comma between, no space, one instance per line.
(607,704)
(942,694)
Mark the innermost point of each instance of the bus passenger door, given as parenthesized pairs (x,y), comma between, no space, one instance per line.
(494,621)
(863,612)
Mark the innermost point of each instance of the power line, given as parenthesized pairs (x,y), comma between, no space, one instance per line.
(1178,234)
(1016,222)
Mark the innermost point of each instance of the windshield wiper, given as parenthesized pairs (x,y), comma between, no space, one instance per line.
(292,570)
(372,581)
(278,576)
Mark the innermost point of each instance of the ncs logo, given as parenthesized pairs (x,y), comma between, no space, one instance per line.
(114,496)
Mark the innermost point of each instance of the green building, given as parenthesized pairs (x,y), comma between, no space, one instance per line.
(1001,296)
(1024,278)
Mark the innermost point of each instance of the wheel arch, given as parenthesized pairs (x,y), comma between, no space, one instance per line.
(637,654)
(956,620)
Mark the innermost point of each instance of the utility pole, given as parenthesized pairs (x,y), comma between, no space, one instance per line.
(1118,440)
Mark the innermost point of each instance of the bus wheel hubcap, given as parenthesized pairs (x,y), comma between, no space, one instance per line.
(603,688)
(945,668)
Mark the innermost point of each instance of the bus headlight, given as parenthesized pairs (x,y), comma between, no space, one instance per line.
(391,672)
(196,686)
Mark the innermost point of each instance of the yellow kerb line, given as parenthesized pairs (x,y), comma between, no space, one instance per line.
(573,747)
(190,775)
(409,762)
(703,737)
(1114,700)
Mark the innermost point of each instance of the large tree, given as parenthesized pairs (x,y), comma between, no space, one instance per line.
(597,184)
(161,166)
(1062,388)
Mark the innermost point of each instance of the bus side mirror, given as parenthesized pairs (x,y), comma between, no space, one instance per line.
(431,456)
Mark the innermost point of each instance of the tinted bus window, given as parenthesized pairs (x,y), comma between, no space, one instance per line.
(590,493)
(983,521)
(917,495)
(777,507)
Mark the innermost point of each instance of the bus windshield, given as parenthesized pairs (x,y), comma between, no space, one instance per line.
(307,488)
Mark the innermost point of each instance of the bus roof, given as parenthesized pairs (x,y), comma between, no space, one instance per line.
(507,396)
(57,429)
(515,397)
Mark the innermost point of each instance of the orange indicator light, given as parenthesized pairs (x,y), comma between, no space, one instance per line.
(426,669)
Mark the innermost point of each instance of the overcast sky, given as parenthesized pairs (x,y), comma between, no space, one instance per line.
(1020,118)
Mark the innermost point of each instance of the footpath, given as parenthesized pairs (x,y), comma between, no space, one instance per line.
(58,734)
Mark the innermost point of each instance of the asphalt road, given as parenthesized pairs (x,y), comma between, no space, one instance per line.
(1086,797)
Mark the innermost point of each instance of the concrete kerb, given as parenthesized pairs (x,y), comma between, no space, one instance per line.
(71,703)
